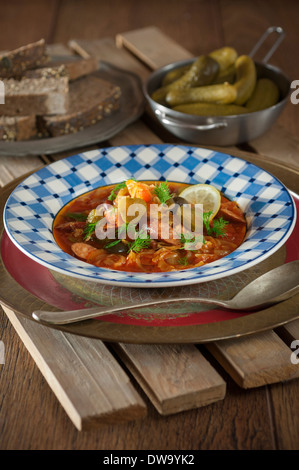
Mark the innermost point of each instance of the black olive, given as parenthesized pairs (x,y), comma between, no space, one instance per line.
(180,200)
(118,248)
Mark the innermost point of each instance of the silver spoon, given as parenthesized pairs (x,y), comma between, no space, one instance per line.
(272,287)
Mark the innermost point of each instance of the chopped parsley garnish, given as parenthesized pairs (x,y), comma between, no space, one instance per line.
(89,229)
(189,243)
(163,192)
(217,228)
(183,261)
(115,242)
(140,243)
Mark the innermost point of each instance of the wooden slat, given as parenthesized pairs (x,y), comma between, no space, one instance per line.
(137,133)
(13,167)
(175,377)
(104,49)
(277,142)
(87,380)
(152,46)
(289,332)
(255,360)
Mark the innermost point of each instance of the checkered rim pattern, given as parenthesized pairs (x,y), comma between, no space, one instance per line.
(31,208)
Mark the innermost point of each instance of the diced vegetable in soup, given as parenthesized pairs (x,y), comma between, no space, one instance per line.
(150,226)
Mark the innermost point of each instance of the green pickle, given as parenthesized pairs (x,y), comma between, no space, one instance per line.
(221,93)
(203,70)
(245,79)
(225,57)
(227,75)
(265,94)
(174,74)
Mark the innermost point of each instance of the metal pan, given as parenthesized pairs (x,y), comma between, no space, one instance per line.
(223,130)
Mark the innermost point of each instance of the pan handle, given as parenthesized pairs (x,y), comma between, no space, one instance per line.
(270,30)
(198,127)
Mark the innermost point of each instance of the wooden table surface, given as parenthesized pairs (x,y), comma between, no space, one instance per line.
(260,418)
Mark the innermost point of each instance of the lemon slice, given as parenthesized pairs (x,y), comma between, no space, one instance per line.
(204,194)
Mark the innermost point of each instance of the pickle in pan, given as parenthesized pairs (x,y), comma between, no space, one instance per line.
(225,57)
(227,75)
(220,93)
(175,74)
(211,109)
(265,94)
(202,71)
(245,79)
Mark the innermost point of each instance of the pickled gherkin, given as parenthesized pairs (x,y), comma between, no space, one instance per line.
(225,57)
(265,94)
(226,75)
(201,72)
(245,79)
(221,93)
(174,74)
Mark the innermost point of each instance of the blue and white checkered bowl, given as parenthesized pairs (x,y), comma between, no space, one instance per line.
(31,208)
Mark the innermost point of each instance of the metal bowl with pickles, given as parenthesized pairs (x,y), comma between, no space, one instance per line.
(220,98)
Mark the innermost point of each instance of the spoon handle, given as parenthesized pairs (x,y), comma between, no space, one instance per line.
(72,316)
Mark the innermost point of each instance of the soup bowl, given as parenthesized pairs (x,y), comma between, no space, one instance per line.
(32,207)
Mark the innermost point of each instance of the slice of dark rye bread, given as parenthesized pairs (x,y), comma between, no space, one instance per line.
(28,96)
(71,68)
(90,100)
(17,128)
(75,66)
(15,63)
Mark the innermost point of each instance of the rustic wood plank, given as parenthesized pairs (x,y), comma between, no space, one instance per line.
(285,410)
(87,380)
(152,46)
(255,360)
(278,142)
(289,332)
(137,133)
(58,49)
(104,49)
(175,377)
(13,167)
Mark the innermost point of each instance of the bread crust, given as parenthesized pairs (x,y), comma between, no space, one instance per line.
(15,63)
(17,127)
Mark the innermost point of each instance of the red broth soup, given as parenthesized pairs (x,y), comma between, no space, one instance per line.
(103,228)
